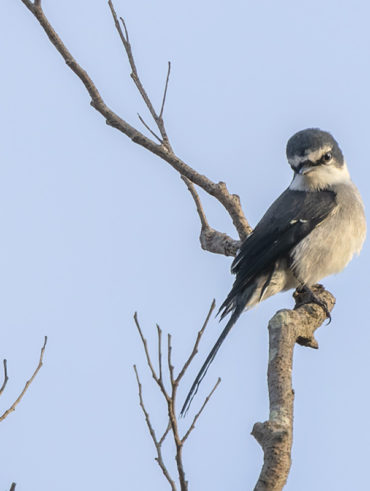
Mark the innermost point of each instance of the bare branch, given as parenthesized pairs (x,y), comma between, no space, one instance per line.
(192,426)
(170,366)
(196,344)
(145,344)
(210,239)
(163,437)
(198,204)
(159,331)
(28,383)
(135,76)
(6,378)
(165,90)
(171,399)
(231,202)
(12,487)
(275,436)
(125,28)
(157,443)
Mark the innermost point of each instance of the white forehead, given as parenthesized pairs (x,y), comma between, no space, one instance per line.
(313,156)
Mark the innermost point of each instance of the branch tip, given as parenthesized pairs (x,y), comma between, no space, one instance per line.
(125,28)
(196,343)
(6,378)
(165,90)
(27,384)
(192,426)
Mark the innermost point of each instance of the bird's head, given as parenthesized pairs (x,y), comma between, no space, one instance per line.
(316,159)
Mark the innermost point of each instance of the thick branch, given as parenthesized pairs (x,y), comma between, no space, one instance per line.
(286,328)
(231,202)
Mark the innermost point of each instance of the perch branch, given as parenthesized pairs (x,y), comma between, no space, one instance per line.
(286,328)
(28,383)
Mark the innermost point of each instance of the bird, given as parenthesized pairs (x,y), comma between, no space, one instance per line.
(311,231)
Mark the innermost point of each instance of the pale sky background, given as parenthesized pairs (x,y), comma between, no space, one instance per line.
(94,227)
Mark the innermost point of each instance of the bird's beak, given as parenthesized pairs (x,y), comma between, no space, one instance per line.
(306,168)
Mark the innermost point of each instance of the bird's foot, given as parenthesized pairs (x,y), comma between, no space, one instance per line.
(310,297)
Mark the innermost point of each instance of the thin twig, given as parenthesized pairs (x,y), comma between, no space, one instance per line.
(198,204)
(145,344)
(159,331)
(157,443)
(149,128)
(163,437)
(192,426)
(170,399)
(28,383)
(6,378)
(135,75)
(170,366)
(196,344)
(125,28)
(165,90)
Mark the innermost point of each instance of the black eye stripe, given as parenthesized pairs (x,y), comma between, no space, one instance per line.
(325,159)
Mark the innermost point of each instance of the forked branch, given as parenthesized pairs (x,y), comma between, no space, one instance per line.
(231,202)
(170,398)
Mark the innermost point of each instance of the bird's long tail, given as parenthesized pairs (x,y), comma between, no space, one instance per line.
(209,360)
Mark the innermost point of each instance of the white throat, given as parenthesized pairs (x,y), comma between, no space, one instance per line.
(321,177)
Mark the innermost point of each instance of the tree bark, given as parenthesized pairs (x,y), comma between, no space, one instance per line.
(275,436)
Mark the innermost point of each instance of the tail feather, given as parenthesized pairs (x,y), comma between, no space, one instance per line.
(209,360)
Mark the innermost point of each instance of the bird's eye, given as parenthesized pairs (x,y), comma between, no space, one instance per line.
(328,156)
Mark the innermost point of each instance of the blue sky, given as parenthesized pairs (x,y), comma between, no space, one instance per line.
(94,228)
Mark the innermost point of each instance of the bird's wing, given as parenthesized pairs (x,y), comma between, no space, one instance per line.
(288,220)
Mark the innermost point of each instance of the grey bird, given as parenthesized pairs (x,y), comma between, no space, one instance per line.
(311,231)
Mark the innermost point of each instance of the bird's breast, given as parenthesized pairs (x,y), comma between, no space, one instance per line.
(331,245)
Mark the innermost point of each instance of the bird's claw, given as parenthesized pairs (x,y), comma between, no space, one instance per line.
(310,297)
